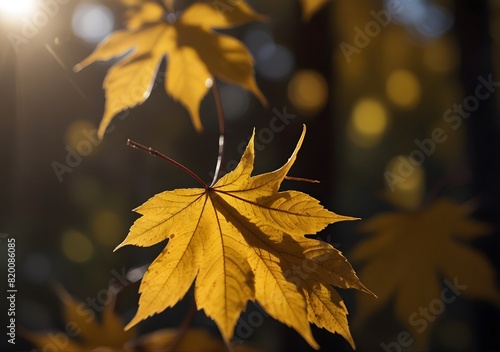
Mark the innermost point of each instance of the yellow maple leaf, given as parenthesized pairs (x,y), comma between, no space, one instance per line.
(83,330)
(243,240)
(409,253)
(310,7)
(195,52)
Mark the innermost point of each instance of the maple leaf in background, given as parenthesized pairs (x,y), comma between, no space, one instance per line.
(192,340)
(310,7)
(87,332)
(243,240)
(408,255)
(195,55)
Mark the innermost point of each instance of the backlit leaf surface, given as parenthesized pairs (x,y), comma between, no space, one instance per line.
(243,240)
(195,53)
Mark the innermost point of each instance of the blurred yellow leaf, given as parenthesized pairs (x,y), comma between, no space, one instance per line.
(310,7)
(196,54)
(198,340)
(242,240)
(193,340)
(408,255)
(83,330)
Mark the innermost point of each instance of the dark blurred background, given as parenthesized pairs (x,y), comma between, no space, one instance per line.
(365,84)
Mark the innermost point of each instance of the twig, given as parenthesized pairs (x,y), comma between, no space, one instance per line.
(170,160)
(300,179)
(184,327)
(222,130)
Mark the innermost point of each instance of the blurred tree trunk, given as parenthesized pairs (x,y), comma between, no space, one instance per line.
(313,50)
(482,124)
(7,127)
(473,32)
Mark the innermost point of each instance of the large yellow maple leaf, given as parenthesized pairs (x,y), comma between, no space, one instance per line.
(195,55)
(242,240)
(408,255)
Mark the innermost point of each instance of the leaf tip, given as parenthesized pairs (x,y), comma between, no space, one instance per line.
(263,100)
(130,325)
(135,320)
(263,18)
(364,289)
(198,127)
(314,344)
(61,292)
(123,244)
(102,129)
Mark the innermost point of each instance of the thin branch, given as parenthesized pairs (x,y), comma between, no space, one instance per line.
(301,179)
(164,157)
(222,130)
(184,327)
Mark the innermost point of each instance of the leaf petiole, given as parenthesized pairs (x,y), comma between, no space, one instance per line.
(156,153)
(301,179)
(183,329)
(222,130)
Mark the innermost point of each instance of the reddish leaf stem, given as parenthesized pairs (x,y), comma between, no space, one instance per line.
(301,179)
(222,130)
(170,160)
(183,329)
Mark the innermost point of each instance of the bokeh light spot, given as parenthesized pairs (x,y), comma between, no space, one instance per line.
(92,22)
(405,180)
(368,122)
(308,91)
(78,131)
(135,274)
(76,246)
(107,227)
(427,19)
(17,8)
(235,101)
(274,62)
(403,88)
(257,39)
